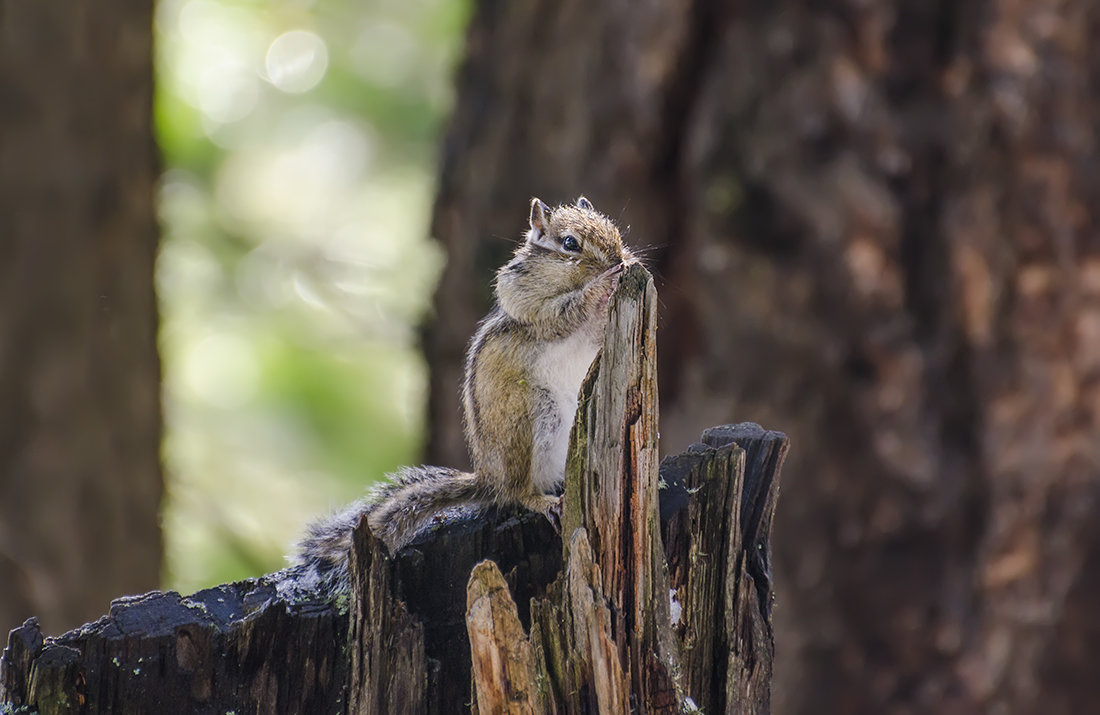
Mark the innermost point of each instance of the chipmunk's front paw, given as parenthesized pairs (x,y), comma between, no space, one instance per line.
(548,505)
(611,276)
(554,515)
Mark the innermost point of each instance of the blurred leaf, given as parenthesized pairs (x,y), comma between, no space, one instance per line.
(295,265)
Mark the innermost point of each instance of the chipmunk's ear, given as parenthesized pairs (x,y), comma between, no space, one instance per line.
(583,203)
(540,218)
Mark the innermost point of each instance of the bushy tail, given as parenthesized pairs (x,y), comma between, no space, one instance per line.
(399,509)
(396,510)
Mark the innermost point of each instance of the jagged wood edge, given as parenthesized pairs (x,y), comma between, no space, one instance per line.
(31,665)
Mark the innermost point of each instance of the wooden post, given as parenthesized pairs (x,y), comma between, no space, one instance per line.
(659,599)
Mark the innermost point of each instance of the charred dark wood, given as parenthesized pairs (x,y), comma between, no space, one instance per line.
(423,592)
(233,647)
(721,497)
(243,647)
(620,631)
(659,600)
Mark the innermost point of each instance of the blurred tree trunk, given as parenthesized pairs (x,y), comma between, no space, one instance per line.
(876,228)
(80,480)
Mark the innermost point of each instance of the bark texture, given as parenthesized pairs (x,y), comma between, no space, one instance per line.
(604,631)
(398,644)
(603,638)
(609,631)
(718,541)
(612,487)
(235,647)
(80,480)
(875,227)
(502,660)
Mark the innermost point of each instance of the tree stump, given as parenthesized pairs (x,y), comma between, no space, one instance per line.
(658,599)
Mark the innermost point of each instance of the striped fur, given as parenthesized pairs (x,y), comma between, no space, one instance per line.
(524,367)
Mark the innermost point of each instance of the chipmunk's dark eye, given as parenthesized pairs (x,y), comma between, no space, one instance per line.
(570,243)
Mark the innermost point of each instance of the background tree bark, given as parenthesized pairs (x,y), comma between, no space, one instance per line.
(875,229)
(80,480)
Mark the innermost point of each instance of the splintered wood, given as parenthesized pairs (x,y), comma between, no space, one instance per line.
(603,631)
(602,638)
(503,666)
(612,491)
(657,598)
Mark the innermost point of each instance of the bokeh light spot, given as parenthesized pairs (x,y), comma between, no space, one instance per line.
(296,61)
(221,371)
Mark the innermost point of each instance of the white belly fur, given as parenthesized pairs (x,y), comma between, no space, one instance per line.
(560,368)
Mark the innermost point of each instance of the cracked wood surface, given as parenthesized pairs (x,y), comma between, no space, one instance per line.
(595,635)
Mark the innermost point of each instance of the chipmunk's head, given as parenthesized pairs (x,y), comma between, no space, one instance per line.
(578,237)
(565,250)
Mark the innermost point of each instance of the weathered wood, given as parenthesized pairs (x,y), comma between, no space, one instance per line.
(236,647)
(575,644)
(431,579)
(502,661)
(24,645)
(717,538)
(612,487)
(246,647)
(603,635)
(210,652)
(388,669)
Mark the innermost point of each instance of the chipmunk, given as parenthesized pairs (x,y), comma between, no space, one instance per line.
(524,368)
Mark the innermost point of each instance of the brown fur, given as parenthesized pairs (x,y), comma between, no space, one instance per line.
(523,370)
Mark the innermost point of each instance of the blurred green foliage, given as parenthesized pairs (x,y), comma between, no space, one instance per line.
(299,138)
